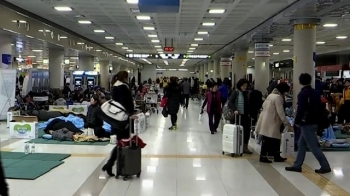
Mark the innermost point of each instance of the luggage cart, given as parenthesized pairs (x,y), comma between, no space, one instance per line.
(152,102)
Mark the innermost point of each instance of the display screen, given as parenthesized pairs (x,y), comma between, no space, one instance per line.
(90,83)
(78,82)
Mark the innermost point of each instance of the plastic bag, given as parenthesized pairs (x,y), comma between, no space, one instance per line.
(200,119)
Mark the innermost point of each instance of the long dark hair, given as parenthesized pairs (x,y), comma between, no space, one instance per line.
(97,99)
(121,76)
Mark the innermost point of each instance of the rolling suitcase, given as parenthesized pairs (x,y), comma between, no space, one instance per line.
(129,159)
(232,138)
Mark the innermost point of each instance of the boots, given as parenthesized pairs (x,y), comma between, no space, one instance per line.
(277,157)
(246,149)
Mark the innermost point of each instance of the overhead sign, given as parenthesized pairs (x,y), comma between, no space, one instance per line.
(167,56)
(168,49)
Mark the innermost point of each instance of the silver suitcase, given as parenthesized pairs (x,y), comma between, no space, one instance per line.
(232,139)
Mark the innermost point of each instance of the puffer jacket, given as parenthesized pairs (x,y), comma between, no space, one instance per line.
(92,119)
(62,135)
(173,93)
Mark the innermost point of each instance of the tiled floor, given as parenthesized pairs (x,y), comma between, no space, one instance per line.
(186,162)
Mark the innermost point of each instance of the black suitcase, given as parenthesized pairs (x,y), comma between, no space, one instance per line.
(129,160)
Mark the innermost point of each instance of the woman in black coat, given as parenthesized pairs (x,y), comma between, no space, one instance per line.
(122,95)
(173,93)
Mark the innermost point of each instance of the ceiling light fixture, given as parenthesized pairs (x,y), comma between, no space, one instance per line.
(270,45)
(330,25)
(320,43)
(155,41)
(63,37)
(20,21)
(37,50)
(210,24)
(202,32)
(80,43)
(98,50)
(99,31)
(132,1)
(160,52)
(157,46)
(194,45)
(31,56)
(192,48)
(63,9)
(125,48)
(143,17)
(119,44)
(109,37)
(129,50)
(286,51)
(148,28)
(159,49)
(84,22)
(198,39)
(251,52)
(190,51)
(45,30)
(286,40)
(342,37)
(152,35)
(217,11)
(276,53)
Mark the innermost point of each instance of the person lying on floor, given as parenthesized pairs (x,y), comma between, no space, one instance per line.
(93,120)
(57,124)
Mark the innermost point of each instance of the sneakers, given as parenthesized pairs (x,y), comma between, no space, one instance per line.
(174,127)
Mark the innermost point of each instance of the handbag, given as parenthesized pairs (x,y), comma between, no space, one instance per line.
(165,112)
(114,114)
(163,102)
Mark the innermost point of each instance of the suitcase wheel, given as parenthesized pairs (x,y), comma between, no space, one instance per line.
(138,175)
(125,178)
(117,176)
(241,154)
(233,155)
(223,152)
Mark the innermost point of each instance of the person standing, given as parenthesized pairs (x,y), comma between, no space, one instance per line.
(173,93)
(238,102)
(307,119)
(186,92)
(213,101)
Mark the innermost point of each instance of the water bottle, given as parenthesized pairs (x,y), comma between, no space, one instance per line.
(32,148)
(26,148)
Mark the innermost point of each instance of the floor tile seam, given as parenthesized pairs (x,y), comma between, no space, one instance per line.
(327,185)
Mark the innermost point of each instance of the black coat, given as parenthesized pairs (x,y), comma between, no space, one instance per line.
(173,93)
(122,94)
(3,184)
(92,119)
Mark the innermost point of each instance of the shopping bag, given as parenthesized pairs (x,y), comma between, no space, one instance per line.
(200,119)
(163,102)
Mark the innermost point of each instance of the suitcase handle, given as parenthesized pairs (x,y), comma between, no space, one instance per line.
(239,119)
(131,125)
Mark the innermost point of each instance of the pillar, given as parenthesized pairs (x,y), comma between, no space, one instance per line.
(304,52)
(211,69)
(262,66)
(239,65)
(86,63)
(205,71)
(225,66)
(56,68)
(116,68)
(6,52)
(201,73)
(104,74)
(216,65)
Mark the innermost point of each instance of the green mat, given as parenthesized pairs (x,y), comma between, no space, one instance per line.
(18,165)
(41,140)
(339,135)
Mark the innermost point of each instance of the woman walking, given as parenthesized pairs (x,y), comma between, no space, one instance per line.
(173,94)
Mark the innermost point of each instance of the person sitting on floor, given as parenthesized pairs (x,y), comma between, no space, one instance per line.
(93,120)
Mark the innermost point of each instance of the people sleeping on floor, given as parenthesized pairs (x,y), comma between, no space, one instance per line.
(58,124)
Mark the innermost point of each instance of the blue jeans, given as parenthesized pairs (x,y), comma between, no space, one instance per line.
(309,139)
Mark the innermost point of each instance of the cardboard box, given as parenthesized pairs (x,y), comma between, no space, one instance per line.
(25,118)
(78,109)
(57,107)
(10,116)
(24,130)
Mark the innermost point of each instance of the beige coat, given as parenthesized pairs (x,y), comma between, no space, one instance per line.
(272,116)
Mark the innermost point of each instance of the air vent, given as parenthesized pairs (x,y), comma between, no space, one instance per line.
(222,1)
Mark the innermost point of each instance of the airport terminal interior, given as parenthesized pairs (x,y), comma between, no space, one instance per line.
(60,112)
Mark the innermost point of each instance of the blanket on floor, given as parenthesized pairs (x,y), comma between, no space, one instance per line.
(329,140)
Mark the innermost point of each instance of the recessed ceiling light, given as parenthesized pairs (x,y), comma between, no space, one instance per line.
(37,50)
(160,52)
(270,45)
(192,48)
(286,51)
(198,39)
(157,46)
(119,44)
(80,43)
(194,44)
(99,31)
(31,56)
(159,49)
(155,41)
(20,21)
(12,44)
(217,11)
(250,52)
(202,32)
(148,28)
(320,43)
(330,25)
(190,51)
(125,48)
(276,53)
(63,37)
(98,50)
(143,17)
(253,58)
(342,37)
(84,22)
(63,9)
(286,40)
(109,37)
(45,30)
(152,35)
(132,1)
(129,50)
(208,23)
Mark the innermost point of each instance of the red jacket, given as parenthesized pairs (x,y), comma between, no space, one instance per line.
(126,142)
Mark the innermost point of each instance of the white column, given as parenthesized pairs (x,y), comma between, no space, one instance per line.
(201,72)
(216,65)
(225,66)
(304,51)
(262,67)
(116,68)
(104,74)
(205,71)
(86,63)
(56,68)
(6,52)
(211,70)
(239,65)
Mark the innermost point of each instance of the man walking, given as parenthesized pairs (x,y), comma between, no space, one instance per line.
(186,91)
(307,118)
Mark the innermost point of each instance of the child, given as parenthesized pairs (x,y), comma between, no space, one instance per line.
(214,100)
(93,120)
